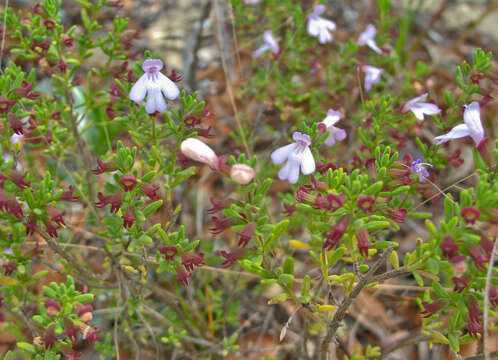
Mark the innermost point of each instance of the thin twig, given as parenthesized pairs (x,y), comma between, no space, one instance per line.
(412,339)
(346,303)
(4,30)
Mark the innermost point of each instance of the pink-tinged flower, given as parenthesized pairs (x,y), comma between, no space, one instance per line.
(366,203)
(242,174)
(155,85)
(368,38)
(363,242)
(231,258)
(68,195)
(196,150)
(474,328)
(419,108)
(246,234)
(182,276)
(190,261)
(128,181)
(458,263)
(103,200)
(303,194)
(115,201)
(336,134)
(85,313)
(151,191)
(51,229)
(470,214)
(5,105)
(71,330)
(219,225)
(49,339)
(475,312)
(169,252)
(320,27)
(270,44)
(89,333)
(448,247)
(52,307)
(56,215)
(431,309)
(335,234)
(218,205)
(493,296)
(103,167)
(16,125)
(297,156)
(472,126)
(31,225)
(18,180)
(418,167)
(248,2)
(372,75)
(398,216)
(129,218)
(477,257)
(460,284)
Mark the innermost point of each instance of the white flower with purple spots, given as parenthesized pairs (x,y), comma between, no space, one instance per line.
(418,167)
(297,156)
(372,75)
(270,44)
(419,108)
(320,27)
(336,134)
(154,84)
(472,126)
(368,38)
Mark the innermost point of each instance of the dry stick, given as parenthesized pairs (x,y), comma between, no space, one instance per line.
(486,295)
(346,303)
(191,81)
(482,356)
(4,30)
(409,340)
(227,80)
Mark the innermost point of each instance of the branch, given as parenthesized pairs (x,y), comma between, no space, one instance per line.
(490,355)
(412,339)
(346,303)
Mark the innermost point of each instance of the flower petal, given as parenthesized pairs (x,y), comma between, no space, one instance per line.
(368,34)
(282,153)
(284,171)
(313,27)
(472,117)
(138,90)
(168,87)
(420,109)
(293,175)
(260,50)
(307,162)
(459,131)
(373,45)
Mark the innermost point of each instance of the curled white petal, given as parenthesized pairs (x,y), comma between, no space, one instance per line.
(196,150)
(472,117)
(271,41)
(307,162)
(138,90)
(459,131)
(282,154)
(168,87)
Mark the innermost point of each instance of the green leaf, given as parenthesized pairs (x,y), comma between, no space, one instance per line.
(454,343)
(439,290)
(83,298)
(152,208)
(305,288)
(277,231)
(289,266)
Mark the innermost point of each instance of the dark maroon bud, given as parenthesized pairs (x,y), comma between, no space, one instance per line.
(175,76)
(335,234)
(9,268)
(51,229)
(482,147)
(67,195)
(103,167)
(56,215)
(151,191)
(49,339)
(103,200)
(67,40)
(111,114)
(182,276)
(129,218)
(470,214)
(190,260)
(49,24)
(231,258)
(85,313)
(37,9)
(115,201)
(18,180)
(219,224)
(448,247)
(324,168)
(289,209)
(52,307)
(169,252)
(128,181)
(461,284)
(477,257)
(398,216)
(363,242)
(14,208)
(431,309)
(366,203)
(31,225)
(246,234)
(5,105)
(218,205)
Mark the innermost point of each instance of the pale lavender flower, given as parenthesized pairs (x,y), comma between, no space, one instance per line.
(336,134)
(472,126)
(247,2)
(419,108)
(297,156)
(197,150)
(418,167)
(154,84)
(320,27)
(368,38)
(270,44)
(372,75)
